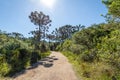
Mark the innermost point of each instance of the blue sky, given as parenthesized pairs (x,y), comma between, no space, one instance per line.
(14,14)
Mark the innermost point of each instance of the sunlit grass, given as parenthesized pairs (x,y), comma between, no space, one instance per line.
(97,70)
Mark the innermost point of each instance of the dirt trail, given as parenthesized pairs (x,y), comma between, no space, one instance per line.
(54,67)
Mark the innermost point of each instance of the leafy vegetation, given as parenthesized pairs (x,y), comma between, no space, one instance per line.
(95,51)
(18,52)
(113,7)
(43,21)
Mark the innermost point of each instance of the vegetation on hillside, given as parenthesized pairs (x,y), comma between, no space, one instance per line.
(95,50)
(18,52)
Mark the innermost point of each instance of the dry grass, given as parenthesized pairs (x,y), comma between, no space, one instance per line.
(94,71)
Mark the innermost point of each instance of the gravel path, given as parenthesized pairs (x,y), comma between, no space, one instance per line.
(54,67)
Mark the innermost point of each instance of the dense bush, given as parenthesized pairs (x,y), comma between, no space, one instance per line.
(17,54)
(88,56)
(44,47)
(97,44)
(16,59)
(34,57)
(4,66)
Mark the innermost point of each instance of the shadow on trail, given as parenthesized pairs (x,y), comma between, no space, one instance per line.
(46,62)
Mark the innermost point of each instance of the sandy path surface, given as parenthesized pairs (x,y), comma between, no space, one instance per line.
(54,67)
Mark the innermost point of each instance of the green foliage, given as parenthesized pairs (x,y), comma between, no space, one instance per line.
(17,59)
(43,55)
(44,47)
(4,69)
(65,32)
(34,57)
(88,56)
(43,22)
(94,51)
(17,54)
(66,45)
(113,7)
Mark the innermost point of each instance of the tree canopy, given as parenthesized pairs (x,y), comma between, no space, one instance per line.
(113,7)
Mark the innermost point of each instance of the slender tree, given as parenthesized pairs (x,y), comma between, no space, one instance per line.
(41,20)
(66,32)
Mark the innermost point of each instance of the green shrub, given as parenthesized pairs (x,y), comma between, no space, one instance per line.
(34,57)
(11,46)
(16,55)
(88,56)
(24,57)
(18,60)
(4,69)
(44,47)
(95,51)
(66,45)
(43,55)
